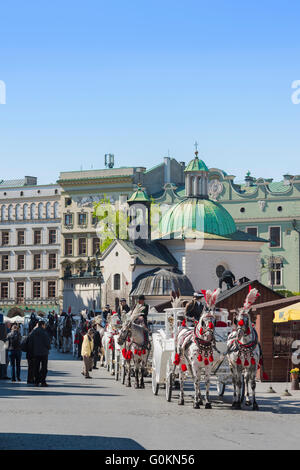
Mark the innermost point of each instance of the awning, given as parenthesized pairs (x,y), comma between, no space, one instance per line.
(290,313)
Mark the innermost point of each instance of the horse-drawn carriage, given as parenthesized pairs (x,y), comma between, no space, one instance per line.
(165,346)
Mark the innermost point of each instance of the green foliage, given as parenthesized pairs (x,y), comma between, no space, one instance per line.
(287,293)
(112,222)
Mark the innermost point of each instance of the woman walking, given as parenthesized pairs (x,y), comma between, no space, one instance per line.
(15,352)
(87,353)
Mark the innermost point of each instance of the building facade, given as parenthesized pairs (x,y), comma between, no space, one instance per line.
(263,208)
(80,190)
(29,245)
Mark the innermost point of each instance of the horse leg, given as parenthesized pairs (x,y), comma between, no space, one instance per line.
(136,374)
(128,374)
(253,387)
(207,385)
(181,392)
(142,370)
(234,380)
(239,388)
(247,399)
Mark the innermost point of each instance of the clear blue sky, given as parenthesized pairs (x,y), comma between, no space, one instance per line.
(136,78)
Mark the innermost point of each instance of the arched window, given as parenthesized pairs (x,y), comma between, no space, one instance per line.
(32,211)
(25,211)
(56,205)
(10,212)
(48,210)
(117,282)
(18,212)
(40,210)
(3,210)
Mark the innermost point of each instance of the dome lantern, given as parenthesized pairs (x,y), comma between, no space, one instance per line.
(196,178)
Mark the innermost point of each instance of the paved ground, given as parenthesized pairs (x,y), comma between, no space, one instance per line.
(75,413)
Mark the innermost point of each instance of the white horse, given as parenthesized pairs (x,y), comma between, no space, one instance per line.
(196,352)
(244,354)
(112,328)
(135,337)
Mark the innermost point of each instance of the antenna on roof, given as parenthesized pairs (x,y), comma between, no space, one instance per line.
(109,160)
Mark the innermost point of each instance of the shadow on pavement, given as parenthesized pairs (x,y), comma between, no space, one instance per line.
(20,441)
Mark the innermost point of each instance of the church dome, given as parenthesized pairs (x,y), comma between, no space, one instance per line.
(161,281)
(196,215)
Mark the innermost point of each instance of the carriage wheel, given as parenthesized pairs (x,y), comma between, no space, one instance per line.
(220,388)
(155,385)
(169,382)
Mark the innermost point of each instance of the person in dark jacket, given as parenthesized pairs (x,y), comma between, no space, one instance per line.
(145,309)
(39,343)
(123,308)
(14,352)
(97,345)
(228,277)
(193,309)
(32,323)
(106,313)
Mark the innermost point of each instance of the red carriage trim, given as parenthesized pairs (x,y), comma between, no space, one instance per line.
(183,367)
(200,358)
(177,359)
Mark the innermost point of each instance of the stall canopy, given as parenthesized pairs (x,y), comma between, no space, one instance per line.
(290,313)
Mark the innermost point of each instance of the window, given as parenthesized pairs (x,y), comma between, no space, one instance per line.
(21,261)
(18,212)
(20,290)
(51,289)
(68,219)
(117,282)
(37,261)
(37,235)
(4,290)
(52,236)
(10,212)
(52,260)
(252,231)
(82,218)
(94,220)
(276,275)
(68,246)
(4,263)
(68,201)
(36,289)
(25,211)
(275,237)
(21,237)
(55,214)
(242,209)
(96,245)
(40,210)
(3,212)
(5,238)
(82,246)
(48,210)
(32,211)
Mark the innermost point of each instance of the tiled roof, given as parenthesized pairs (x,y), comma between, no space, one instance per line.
(149,253)
(196,165)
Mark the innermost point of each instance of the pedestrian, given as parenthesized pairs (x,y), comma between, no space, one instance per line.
(87,353)
(39,344)
(106,314)
(3,349)
(14,352)
(97,346)
(123,309)
(33,322)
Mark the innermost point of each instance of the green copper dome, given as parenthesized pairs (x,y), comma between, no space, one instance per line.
(196,165)
(139,196)
(197,215)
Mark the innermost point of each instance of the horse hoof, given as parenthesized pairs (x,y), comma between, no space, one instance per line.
(181,402)
(142,386)
(208,406)
(136,386)
(247,402)
(196,406)
(236,406)
(255,407)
